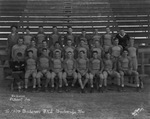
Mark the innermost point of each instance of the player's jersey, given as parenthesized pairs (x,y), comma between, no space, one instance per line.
(27,39)
(95,64)
(116,50)
(30,64)
(12,40)
(82,64)
(57,65)
(55,38)
(40,37)
(43,63)
(107,39)
(69,64)
(132,51)
(125,63)
(18,49)
(96,38)
(34,49)
(108,64)
(71,37)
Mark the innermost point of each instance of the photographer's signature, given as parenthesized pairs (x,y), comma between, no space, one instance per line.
(137,111)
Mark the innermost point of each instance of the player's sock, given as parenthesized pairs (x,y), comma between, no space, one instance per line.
(60,89)
(46,89)
(92,88)
(66,88)
(52,89)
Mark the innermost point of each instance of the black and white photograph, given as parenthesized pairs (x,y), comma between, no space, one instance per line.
(74,59)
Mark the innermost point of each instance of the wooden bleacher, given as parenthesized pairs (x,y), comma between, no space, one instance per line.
(131,15)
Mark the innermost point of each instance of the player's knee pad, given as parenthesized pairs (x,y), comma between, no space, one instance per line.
(39,75)
(34,74)
(48,75)
(135,73)
(91,76)
(75,76)
(87,76)
(121,73)
(53,75)
(64,75)
(27,75)
(101,76)
(60,75)
(79,76)
(105,74)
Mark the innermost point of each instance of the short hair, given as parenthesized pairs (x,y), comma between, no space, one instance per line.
(44,41)
(33,39)
(29,51)
(19,54)
(69,27)
(69,40)
(82,39)
(95,52)
(57,52)
(54,26)
(107,53)
(125,49)
(20,38)
(27,28)
(131,38)
(14,26)
(116,39)
(56,42)
(69,52)
(83,29)
(40,26)
(107,27)
(82,51)
(44,49)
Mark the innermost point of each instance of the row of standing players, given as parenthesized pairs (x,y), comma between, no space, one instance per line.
(83,62)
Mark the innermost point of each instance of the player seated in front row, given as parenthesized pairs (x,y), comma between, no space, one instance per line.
(57,67)
(43,66)
(96,68)
(110,70)
(82,69)
(18,68)
(70,69)
(31,69)
(125,68)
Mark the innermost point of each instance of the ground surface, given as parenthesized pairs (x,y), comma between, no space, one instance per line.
(110,105)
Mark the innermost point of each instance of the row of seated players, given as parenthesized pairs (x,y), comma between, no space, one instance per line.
(116,63)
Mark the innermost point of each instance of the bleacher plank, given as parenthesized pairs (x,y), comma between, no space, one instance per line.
(116,13)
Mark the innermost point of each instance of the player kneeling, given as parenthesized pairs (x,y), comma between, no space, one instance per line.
(70,69)
(125,68)
(110,70)
(18,67)
(57,70)
(43,67)
(96,68)
(82,69)
(31,70)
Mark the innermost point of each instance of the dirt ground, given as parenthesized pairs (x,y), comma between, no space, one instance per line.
(72,105)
